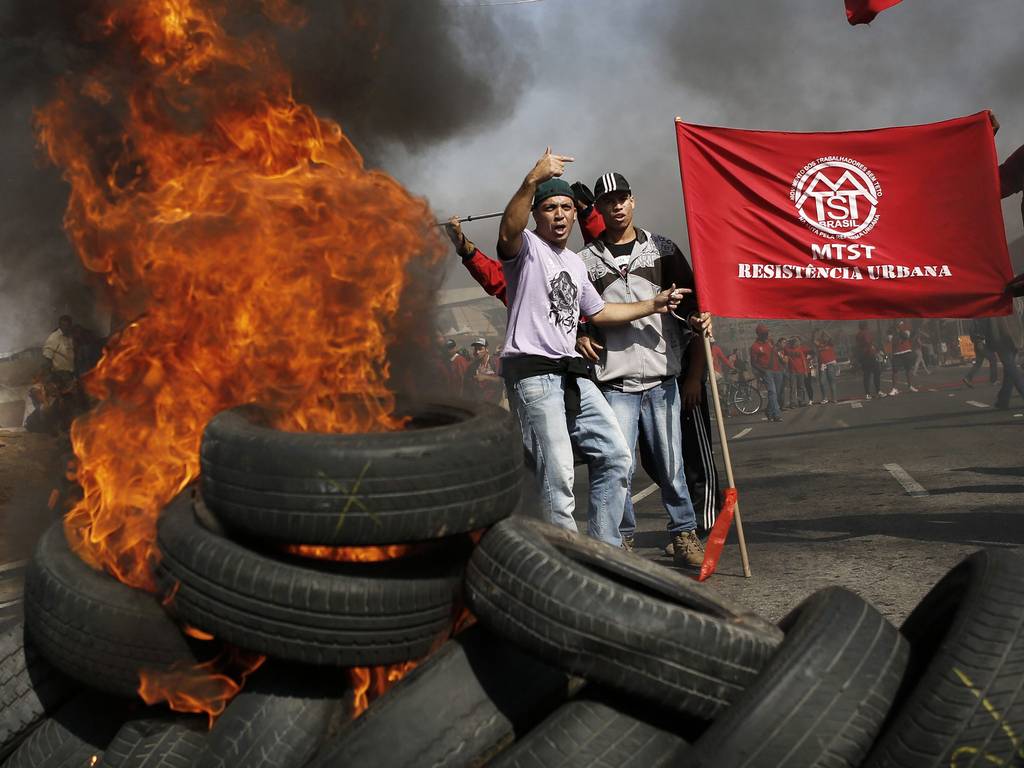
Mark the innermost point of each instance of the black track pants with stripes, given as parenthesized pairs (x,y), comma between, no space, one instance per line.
(699,463)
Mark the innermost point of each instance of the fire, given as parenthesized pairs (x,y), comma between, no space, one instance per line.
(352,554)
(259,260)
(368,683)
(206,687)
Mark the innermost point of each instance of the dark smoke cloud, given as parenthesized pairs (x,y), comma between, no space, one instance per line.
(391,72)
(410,72)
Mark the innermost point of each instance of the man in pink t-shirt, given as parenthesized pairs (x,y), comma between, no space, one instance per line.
(548,383)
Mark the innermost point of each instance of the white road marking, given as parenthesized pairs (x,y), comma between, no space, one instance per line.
(645,493)
(842,424)
(742,432)
(1018,415)
(13,565)
(976,404)
(951,395)
(10,603)
(910,485)
(856,404)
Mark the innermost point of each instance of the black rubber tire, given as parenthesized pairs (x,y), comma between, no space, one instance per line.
(159,742)
(596,729)
(315,612)
(30,688)
(971,622)
(91,626)
(279,719)
(823,697)
(458,468)
(615,618)
(461,706)
(77,732)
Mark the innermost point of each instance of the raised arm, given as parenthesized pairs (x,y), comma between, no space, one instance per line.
(517,212)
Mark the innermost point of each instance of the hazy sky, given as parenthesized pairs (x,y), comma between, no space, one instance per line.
(609,76)
(458,100)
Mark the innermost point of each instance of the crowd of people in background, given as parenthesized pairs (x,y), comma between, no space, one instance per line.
(598,359)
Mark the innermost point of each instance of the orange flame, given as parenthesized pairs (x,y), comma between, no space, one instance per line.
(352,554)
(261,260)
(206,687)
(368,683)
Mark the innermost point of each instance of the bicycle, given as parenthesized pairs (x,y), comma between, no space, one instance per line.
(741,397)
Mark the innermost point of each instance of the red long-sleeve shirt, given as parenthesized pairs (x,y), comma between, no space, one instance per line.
(762,356)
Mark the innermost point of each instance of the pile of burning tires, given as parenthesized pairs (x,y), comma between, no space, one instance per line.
(580,655)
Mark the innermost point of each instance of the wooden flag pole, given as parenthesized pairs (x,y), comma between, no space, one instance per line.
(725,451)
(725,441)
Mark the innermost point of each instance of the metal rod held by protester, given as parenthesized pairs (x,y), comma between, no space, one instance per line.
(472,218)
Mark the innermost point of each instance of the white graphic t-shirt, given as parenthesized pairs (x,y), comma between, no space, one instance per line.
(548,290)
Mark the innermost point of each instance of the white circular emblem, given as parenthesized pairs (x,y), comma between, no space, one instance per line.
(837,197)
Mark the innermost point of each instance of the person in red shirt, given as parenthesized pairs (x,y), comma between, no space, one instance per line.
(828,367)
(801,391)
(765,363)
(866,353)
(902,355)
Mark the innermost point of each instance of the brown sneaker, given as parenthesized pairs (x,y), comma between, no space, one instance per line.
(688,551)
(628,543)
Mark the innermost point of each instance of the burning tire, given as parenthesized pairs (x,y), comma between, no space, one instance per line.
(318,612)
(615,618)
(962,701)
(162,742)
(457,469)
(822,698)
(30,688)
(596,730)
(458,708)
(91,626)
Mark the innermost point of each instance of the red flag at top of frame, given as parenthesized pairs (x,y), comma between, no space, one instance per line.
(897,222)
(864,11)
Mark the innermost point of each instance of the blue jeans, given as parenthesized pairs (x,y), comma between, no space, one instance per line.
(549,437)
(773,383)
(828,374)
(654,416)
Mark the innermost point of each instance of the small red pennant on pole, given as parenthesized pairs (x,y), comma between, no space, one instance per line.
(719,533)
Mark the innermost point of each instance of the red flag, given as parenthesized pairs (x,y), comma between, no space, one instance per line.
(864,11)
(718,535)
(897,222)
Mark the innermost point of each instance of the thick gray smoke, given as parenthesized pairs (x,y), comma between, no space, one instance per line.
(391,72)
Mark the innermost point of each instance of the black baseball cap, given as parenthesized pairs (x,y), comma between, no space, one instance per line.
(611,182)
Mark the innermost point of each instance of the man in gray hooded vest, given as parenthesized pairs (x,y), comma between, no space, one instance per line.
(638,362)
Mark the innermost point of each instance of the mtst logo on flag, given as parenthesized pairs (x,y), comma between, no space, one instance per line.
(899,222)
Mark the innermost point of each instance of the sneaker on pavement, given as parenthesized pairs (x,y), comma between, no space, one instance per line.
(628,543)
(867,397)
(824,402)
(967,383)
(687,550)
(913,389)
(893,392)
(880,394)
(670,548)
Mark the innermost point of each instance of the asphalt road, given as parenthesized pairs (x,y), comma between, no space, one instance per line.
(880,496)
